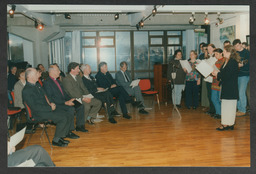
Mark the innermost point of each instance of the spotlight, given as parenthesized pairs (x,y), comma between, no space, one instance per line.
(141,24)
(192,19)
(39,25)
(11,11)
(221,20)
(116,16)
(154,11)
(206,20)
(137,26)
(67,16)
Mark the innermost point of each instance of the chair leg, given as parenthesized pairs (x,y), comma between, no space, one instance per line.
(45,130)
(157,97)
(30,136)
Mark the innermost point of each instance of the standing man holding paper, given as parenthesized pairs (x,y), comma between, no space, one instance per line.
(176,75)
(73,84)
(123,78)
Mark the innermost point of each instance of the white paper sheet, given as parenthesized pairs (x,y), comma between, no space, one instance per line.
(185,64)
(135,83)
(204,68)
(79,100)
(88,96)
(27,163)
(17,138)
(102,91)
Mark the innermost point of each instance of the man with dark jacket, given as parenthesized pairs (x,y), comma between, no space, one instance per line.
(56,92)
(43,109)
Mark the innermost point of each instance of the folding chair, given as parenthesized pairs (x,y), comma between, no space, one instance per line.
(145,87)
(32,120)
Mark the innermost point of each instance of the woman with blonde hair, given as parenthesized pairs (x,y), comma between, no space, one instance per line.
(228,77)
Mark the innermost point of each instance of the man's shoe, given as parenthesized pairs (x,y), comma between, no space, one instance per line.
(127,116)
(115,113)
(72,136)
(59,143)
(217,116)
(240,114)
(142,111)
(30,131)
(64,141)
(136,103)
(90,121)
(112,120)
(81,129)
(178,106)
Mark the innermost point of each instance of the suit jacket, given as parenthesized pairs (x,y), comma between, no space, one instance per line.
(74,89)
(104,81)
(34,96)
(18,87)
(54,92)
(11,81)
(228,77)
(120,79)
(91,85)
(175,66)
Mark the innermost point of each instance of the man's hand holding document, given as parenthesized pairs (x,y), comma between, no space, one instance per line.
(185,65)
(206,67)
(135,83)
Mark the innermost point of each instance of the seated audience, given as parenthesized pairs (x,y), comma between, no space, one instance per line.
(43,109)
(123,78)
(74,86)
(40,80)
(12,79)
(106,81)
(44,72)
(18,87)
(99,93)
(62,74)
(56,92)
(192,83)
(228,75)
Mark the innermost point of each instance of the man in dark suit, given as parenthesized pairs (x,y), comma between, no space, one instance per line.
(75,88)
(56,92)
(105,80)
(124,79)
(99,93)
(43,109)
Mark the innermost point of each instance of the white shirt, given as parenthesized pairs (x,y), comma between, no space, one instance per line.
(88,77)
(74,77)
(124,76)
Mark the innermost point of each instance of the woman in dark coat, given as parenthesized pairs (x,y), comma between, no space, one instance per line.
(228,77)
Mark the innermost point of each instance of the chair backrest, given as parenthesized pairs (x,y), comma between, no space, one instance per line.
(12,94)
(28,113)
(145,84)
(10,99)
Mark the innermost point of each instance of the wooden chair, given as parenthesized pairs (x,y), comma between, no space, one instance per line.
(146,89)
(33,121)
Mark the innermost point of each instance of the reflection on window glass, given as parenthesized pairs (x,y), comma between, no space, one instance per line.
(108,55)
(141,75)
(107,33)
(173,40)
(68,49)
(88,42)
(88,33)
(170,52)
(171,33)
(16,48)
(156,33)
(141,50)
(156,41)
(89,56)
(156,56)
(106,42)
(123,49)
(184,45)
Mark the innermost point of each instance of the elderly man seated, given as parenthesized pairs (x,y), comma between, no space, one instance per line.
(123,78)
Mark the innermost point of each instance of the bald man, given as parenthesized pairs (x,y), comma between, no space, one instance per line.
(43,109)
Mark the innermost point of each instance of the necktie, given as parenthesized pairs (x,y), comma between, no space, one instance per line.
(126,77)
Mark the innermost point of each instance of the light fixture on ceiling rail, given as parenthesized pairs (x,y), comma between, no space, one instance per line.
(12,10)
(192,18)
(154,10)
(39,25)
(116,16)
(206,19)
(140,25)
(67,16)
(219,20)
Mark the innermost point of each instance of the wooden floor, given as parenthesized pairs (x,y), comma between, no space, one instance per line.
(158,139)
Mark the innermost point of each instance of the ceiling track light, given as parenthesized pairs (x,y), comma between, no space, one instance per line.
(39,25)
(116,16)
(67,16)
(12,10)
(219,20)
(206,19)
(192,19)
(154,11)
(141,24)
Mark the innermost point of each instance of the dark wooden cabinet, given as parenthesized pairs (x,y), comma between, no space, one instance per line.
(160,82)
